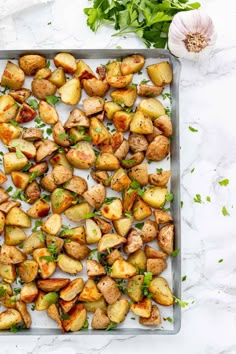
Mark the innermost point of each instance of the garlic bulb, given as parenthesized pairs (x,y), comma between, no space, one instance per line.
(191,34)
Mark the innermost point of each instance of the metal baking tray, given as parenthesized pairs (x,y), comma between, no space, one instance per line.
(43,325)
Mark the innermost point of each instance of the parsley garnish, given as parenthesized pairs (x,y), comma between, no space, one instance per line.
(53,100)
(169,319)
(208,199)
(139,225)
(224,182)
(175,252)
(86,325)
(33,103)
(111,326)
(197,199)
(146,283)
(220,260)
(184,277)
(65,316)
(225,211)
(180,302)
(193,130)
(169,197)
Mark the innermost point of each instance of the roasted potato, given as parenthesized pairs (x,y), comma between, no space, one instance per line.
(28,270)
(7,272)
(90,292)
(100,320)
(45,149)
(156,265)
(155,196)
(78,212)
(9,318)
(13,76)
(26,147)
(95,87)
(70,92)
(134,289)
(32,192)
(20,179)
(165,239)
(55,242)
(107,162)
(140,174)
(66,61)
(34,241)
(77,185)
(69,292)
(160,74)
(104,225)
(29,292)
(132,64)
(138,259)
(69,265)
(12,162)
(58,77)
(77,251)
(121,120)
(153,320)
(141,210)
(8,131)
(120,180)
(43,88)
(45,262)
(83,71)
(7,206)
(54,314)
(134,242)
(152,107)
(141,123)
(8,109)
(125,97)
(95,196)
(162,293)
(32,134)
(20,95)
(21,307)
(66,306)
(43,73)
(39,209)
(47,113)
(3,177)
(110,241)
(112,211)
(162,217)
(142,308)
(113,256)
(93,231)
(123,225)
(118,311)
(122,270)
(52,225)
(154,253)
(94,268)
(133,160)
(137,142)
(159,179)
(149,231)
(77,118)
(61,199)
(31,63)
(82,156)
(11,255)
(61,174)
(111,108)
(77,318)
(149,90)
(13,235)
(17,217)
(98,132)
(163,123)
(13,240)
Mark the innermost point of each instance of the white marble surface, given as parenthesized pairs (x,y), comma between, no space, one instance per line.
(207,102)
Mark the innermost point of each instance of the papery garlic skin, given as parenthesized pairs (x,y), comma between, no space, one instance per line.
(192,35)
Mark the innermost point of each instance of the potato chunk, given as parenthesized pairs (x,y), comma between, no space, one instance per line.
(9,318)
(13,76)
(66,61)
(122,270)
(162,293)
(118,311)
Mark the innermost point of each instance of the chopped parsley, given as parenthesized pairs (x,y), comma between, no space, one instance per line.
(197,199)
(224,182)
(193,130)
(225,211)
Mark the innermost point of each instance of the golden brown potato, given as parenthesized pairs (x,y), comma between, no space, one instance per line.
(61,200)
(120,180)
(103,225)
(9,318)
(25,114)
(66,306)
(156,265)
(162,293)
(8,109)
(70,92)
(26,147)
(100,320)
(7,272)
(90,292)
(52,225)
(29,292)
(155,196)
(137,142)
(45,261)
(123,225)
(139,173)
(8,131)
(134,242)
(4,196)
(69,265)
(95,87)
(134,289)
(59,159)
(165,239)
(138,259)
(163,123)
(47,113)
(20,179)
(93,105)
(121,120)
(162,217)
(83,71)
(91,306)
(13,163)
(58,77)
(143,308)
(77,118)
(98,132)
(94,268)
(122,270)
(48,183)
(153,320)
(12,77)
(61,174)
(82,156)
(149,231)
(119,81)
(77,318)
(7,206)
(141,123)
(3,177)
(129,199)
(8,240)
(149,90)
(69,292)
(28,270)
(159,179)
(78,212)
(13,235)
(11,255)
(141,210)
(95,196)
(39,209)
(110,241)
(118,311)
(77,251)
(43,88)
(34,241)
(31,63)
(154,253)
(20,95)
(132,64)
(77,185)
(109,289)
(111,108)
(100,177)
(32,134)
(152,107)
(32,192)
(46,149)
(112,211)
(160,74)
(125,97)
(21,307)
(17,217)
(151,137)
(107,162)
(66,61)
(43,73)
(93,232)
(54,314)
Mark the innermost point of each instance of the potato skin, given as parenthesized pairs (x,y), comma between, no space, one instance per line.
(82,156)
(9,318)
(12,77)
(43,88)
(66,61)
(100,320)
(109,289)
(161,73)
(31,63)
(118,311)
(153,320)
(165,239)
(162,293)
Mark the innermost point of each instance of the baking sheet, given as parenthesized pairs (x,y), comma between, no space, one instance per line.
(41,323)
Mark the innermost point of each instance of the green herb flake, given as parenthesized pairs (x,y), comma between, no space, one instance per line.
(208,199)
(193,130)
(180,302)
(2,291)
(184,277)
(33,104)
(33,175)
(51,298)
(109,200)
(175,252)
(9,189)
(169,319)
(19,154)
(98,130)
(192,170)
(144,82)
(159,170)
(37,224)
(53,100)
(197,199)
(41,236)
(225,211)
(220,260)
(139,225)
(112,325)
(49,131)
(90,215)
(181,204)
(128,214)
(48,259)
(224,182)
(169,197)
(65,316)
(146,283)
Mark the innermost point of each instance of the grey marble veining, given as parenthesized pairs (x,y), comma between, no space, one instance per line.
(207,103)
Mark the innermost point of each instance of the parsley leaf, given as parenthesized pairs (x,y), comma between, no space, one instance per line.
(224,182)
(139,225)
(146,283)
(193,130)
(220,260)
(175,252)
(53,100)
(225,211)
(181,303)
(169,319)
(112,325)
(169,197)
(208,199)
(33,104)
(197,199)
(184,277)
